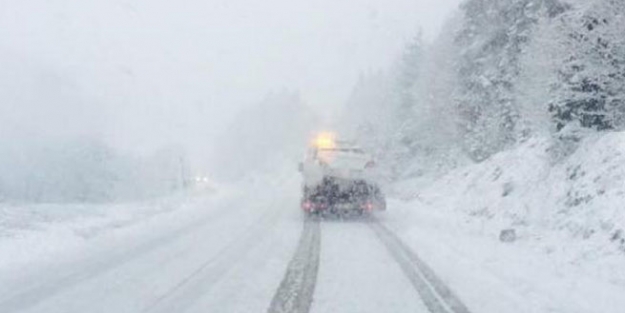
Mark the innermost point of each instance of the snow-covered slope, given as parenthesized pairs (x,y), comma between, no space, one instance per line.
(569,254)
(580,197)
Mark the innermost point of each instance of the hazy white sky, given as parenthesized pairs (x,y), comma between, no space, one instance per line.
(161,70)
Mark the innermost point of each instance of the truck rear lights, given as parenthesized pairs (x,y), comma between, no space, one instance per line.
(307,206)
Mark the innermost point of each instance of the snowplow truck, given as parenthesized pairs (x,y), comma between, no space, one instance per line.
(339,179)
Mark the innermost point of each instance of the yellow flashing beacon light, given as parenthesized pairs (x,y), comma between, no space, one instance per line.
(325,140)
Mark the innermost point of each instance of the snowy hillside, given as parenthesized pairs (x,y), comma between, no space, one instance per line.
(570,212)
(510,126)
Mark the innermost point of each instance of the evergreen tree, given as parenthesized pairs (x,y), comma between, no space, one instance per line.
(381,111)
(590,87)
(404,136)
(490,42)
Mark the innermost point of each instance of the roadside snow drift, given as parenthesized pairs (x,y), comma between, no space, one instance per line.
(568,254)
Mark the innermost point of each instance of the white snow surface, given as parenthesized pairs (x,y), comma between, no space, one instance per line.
(569,255)
(227,250)
(34,233)
(135,257)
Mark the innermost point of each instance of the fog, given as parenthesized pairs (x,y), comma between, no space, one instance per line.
(139,76)
(282,155)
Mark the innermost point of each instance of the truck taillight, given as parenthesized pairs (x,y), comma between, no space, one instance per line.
(368,206)
(307,206)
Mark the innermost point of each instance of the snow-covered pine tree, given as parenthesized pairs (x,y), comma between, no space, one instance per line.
(404,129)
(380,113)
(490,41)
(590,86)
(366,117)
(408,72)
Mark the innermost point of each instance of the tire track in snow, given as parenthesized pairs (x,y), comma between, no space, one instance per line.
(435,294)
(295,293)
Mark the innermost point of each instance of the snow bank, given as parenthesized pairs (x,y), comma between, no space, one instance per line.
(568,214)
(36,235)
(571,209)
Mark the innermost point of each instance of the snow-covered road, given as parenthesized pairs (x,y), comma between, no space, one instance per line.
(229,258)
(235,255)
(249,252)
(357,274)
